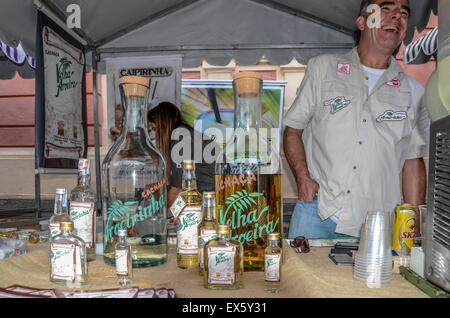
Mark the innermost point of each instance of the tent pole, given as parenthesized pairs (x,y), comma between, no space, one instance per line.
(96,132)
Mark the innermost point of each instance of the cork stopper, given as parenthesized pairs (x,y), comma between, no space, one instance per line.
(223,229)
(247,83)
(135,90)
(188,164)
(66,226)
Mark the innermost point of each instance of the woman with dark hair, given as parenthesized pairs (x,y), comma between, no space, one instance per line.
(164,119)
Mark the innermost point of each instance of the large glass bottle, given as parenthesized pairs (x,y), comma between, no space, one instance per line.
(134,184)
(189,219)
(82,208)
(68,262)
(60,213)
(248,175)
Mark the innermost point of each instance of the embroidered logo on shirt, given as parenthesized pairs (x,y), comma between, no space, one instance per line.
(336,103)
(390,115)
(395,82)
(343,68)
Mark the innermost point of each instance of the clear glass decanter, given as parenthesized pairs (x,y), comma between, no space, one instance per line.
(134,184)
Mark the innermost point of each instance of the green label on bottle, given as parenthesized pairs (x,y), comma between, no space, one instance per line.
(123,215)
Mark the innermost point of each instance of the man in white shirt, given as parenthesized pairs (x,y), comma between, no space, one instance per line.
(357,124)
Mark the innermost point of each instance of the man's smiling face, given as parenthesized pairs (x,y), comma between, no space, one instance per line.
(393,25)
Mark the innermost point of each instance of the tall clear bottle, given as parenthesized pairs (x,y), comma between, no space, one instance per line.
(248,174)
(272,268)
(223,261)
(82,208)
(134,184)
(59,212)
(124,268)
(189,219)
(207,229)
(68,260)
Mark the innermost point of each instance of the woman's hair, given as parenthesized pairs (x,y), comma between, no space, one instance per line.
(167,117)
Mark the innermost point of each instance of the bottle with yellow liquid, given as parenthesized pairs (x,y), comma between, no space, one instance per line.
(207,229)
(248,175)
(223,261)
(189,219)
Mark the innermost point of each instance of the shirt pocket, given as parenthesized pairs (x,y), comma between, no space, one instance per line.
(393,114)
(336,99)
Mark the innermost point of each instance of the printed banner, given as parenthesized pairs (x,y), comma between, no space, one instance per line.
(61,128)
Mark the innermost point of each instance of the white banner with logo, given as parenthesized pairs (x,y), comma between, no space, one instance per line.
(63,73)
(164,75)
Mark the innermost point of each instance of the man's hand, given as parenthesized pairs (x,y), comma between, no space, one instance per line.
(307,189)
(295,155)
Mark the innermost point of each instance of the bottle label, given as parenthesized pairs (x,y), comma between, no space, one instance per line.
(272,263)
(187,230)
(54,229)
(221,265)
(206,235)
(63,261)
(83,216)
(122,260)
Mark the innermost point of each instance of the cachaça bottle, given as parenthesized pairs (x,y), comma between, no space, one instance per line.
(82,208)
(124,267)
(68,262)
(207,229)
(134,195)
(59,213)
(223,261)
(248,175)
(189,219)
(272,268)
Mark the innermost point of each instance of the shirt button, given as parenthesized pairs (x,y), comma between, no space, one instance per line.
(366,78)
(360,142)
(364,120)
(354,167)
(348,191)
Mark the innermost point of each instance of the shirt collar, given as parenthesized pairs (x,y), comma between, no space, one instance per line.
(394,69)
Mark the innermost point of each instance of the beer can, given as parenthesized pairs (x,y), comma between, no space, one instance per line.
(403,230)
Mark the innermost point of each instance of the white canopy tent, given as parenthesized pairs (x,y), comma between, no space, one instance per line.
(214,30)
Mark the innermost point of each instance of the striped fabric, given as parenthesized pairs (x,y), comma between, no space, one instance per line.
(421,50)
(17,55)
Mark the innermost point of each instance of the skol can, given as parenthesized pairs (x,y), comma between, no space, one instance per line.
(403,230)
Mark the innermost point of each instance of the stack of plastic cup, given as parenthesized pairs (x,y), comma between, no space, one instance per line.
(373,260)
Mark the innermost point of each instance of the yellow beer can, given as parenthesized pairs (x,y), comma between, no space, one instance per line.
(403,230)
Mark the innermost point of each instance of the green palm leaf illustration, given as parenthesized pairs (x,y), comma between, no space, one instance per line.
(238,202)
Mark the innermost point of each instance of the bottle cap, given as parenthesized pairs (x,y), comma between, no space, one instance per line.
(84,166)
(188,164)
(135,85)
(122,232)
(60,191)
(274,236)
(223,229)
(66,226)
(209,195)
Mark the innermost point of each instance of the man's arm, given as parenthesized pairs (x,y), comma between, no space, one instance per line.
(414,185)
(295,155)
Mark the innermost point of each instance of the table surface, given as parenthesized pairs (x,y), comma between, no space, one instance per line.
(303,275)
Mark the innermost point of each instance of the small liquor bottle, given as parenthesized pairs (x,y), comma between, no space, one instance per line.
(207,229)
(189,219)
(272,265)
(82,208)
(68,264)
(223,261)
(59,213)
(124,265)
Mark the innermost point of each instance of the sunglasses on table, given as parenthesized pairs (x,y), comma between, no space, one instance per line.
(300,244)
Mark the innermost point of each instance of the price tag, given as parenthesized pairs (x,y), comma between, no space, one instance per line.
(177,206)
